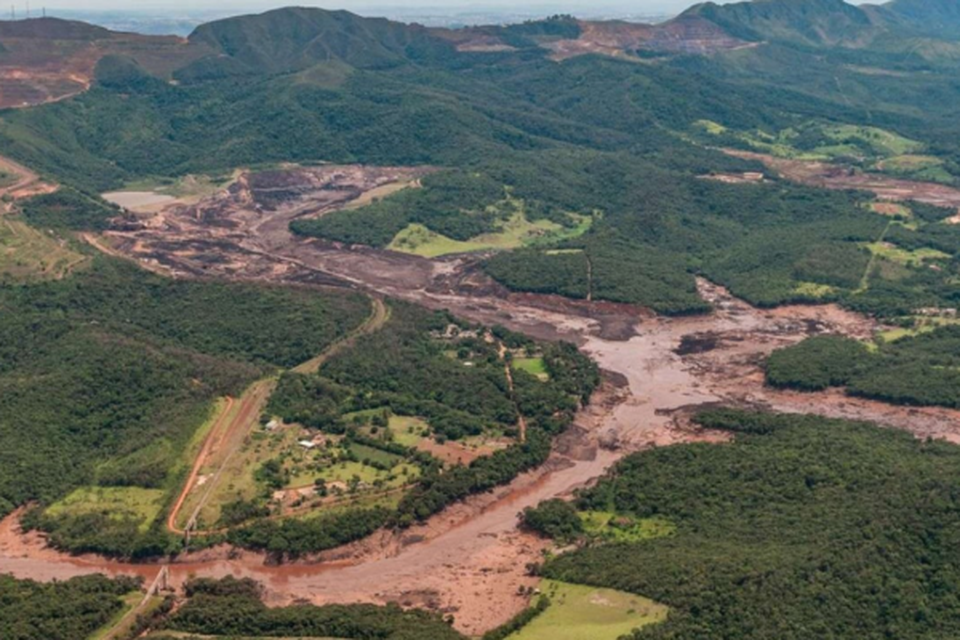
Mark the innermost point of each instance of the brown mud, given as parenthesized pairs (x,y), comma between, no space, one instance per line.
(469,561)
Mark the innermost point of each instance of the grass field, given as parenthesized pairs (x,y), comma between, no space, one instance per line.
(533,366)
(30,255)
(836,141)
(120,503)
(611,527)
(363,452)
(921,325)
(515,232)
(190,186)
(901,256)
(814,290)
(893,209)
(917,167)
(585,613)
(408,431)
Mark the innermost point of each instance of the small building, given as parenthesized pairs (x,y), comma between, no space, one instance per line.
(308,444)
(273,424)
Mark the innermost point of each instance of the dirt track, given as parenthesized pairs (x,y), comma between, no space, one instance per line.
(469,561)
(27,183)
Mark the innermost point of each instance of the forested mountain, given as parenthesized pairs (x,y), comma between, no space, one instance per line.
(810,22)
(292,39)
(933,17)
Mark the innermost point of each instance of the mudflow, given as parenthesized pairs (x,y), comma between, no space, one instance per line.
(470,560)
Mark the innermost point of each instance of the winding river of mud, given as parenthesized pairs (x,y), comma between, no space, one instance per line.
(470,560)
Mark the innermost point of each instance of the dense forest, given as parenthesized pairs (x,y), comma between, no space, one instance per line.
(232,607)
(801,527)
(67,610)
(922,369)
(106,375)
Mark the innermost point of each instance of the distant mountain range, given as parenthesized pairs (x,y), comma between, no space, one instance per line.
(46,59)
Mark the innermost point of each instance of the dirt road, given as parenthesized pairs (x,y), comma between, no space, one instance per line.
(379,315)
(25,183)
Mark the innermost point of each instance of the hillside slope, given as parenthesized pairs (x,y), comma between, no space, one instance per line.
(296,38)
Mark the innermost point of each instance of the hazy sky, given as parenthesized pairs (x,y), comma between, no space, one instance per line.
(634,6)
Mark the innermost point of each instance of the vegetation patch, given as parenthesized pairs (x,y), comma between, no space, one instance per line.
(516,231)
(798,513)
(534,366)
(234,608)
(75,608)
(612,527)
(578,611)
(915,257)
(118,503)
(28,254)
(917,368)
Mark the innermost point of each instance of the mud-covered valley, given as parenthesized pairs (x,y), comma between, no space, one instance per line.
(470,560)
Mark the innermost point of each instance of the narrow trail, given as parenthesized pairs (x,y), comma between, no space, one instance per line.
(865,280)
(589,276)
(379,316)
(521,421)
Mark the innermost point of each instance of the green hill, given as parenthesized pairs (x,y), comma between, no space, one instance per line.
(809,22)
(939,18)
(293,39)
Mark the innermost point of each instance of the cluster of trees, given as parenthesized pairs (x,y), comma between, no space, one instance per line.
(557,519)
(917,370)
(68,208)
(291,538)
(105,376)
(437,490)
(232,607)
(801,527)
(457,204)
(406,368)
(66,610)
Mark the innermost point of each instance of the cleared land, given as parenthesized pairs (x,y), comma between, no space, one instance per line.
(28,254)
(577,612)
(515,232)
(136,503)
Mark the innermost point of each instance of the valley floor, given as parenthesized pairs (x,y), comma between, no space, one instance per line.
(470,560)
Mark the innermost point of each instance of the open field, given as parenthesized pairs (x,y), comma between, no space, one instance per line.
(610,526)
(893,209)
(28,254)
(516,232)
(895,254)
(835,141)
(408,431)
(533,366)
(136,503)
(578,612)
